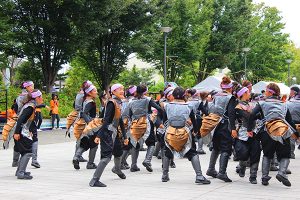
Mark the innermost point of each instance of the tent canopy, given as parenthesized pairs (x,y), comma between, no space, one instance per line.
(209,84)
(261,85)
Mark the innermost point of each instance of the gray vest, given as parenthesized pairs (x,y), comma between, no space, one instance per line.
(273,109)
(139,107)
(78,101)
(219,104)
(25,127)
(194,104)
(20,101)
(294,108)
(177,113)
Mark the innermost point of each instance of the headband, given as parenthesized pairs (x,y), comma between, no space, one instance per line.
(242,91)
(168,90)
(170,93)
(36,94)
(27,84)
(145,91)
(132,90)
(226,86)
(90,88)
(250,84)
(115,87)
(271,91)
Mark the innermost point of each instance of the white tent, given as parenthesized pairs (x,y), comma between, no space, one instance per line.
(261,85)
(209,84)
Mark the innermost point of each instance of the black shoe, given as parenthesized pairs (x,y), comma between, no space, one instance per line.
(124,167)
(158,156)
(288,171)
(165,178)
(172,164)
(242,172)
(202,180)
(98,184)
(201,151)
(284,180)
(265,181)
(253,180)
(91,166)
(148,166)
(36,165)
(135,169)
(24,176)
(81,159)
(76,164)
(224,178)
(212,173)
(293,156)
(273,168)
(121,174)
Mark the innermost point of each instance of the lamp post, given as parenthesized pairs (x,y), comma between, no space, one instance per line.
(165,30)
(289,61)
(246,50)
(294,80)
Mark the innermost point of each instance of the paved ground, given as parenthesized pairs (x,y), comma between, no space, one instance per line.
(58,180)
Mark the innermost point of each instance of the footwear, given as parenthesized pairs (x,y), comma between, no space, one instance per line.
(222,175)
(98,173)
(200,146)
(212,162)
(201,151)
(134,157)
(117,168)
(21,171)
(91,165)
(197,168)
(172,164)
(288,171)
(165,175)
(39,130)
(159,155)
(242,169)
(81,159)
(124,164)
(253,173)
(281,176)
(273,168)
(16,157)
(36,164)
(266,162)
(148,158)
(76,164)
(58,128)
(96,183)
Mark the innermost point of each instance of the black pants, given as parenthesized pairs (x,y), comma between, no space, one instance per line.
(271,146)
(87,142)
(53,117)
(222,140)
(248,149)
(23,145)
(110,147)
(38,119)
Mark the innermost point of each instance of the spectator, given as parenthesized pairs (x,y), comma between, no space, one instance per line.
(54,104)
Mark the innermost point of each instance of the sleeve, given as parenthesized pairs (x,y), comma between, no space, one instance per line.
(289,119)
(109,113)
(52,104)
(157,107)
(86,113)
(122,126)
(253,116)
(203,108)
(195,125)
(231,112)
(41,106)
(27,112)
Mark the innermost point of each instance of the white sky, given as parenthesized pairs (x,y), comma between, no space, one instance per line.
(290,11)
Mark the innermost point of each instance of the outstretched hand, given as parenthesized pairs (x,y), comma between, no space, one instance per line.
(97,140)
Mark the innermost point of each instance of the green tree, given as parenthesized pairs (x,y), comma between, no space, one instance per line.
(135,76)
(28,71)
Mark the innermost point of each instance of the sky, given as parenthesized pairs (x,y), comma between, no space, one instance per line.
(290,11)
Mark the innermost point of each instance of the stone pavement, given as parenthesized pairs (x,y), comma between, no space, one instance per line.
(57,179)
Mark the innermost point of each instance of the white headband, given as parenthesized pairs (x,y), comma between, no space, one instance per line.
(90,88)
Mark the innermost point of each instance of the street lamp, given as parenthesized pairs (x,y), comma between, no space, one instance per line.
(246,50)
(289,61)
(165,30)
(294,80)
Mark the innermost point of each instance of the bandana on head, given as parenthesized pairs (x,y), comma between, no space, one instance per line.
(168,90)
(226,86)
(242,91)
(271,91)
(27,84)
(36,94)
(170,93)
(115,87)
(132,90)
(145,91)
(89,89)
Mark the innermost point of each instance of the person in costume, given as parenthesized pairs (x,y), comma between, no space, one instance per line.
(111,137)
(88,113)
(275,136)
(23,132)
(247,147)
(223,107)
(179,117)
(141,127)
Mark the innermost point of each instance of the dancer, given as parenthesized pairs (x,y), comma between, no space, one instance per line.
(87,142)
(109,137)
(246,146)
(223,107)
(23,132)
(178,137)
(141,127)
(275,137)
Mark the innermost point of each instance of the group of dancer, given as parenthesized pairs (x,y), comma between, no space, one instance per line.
(235,119)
